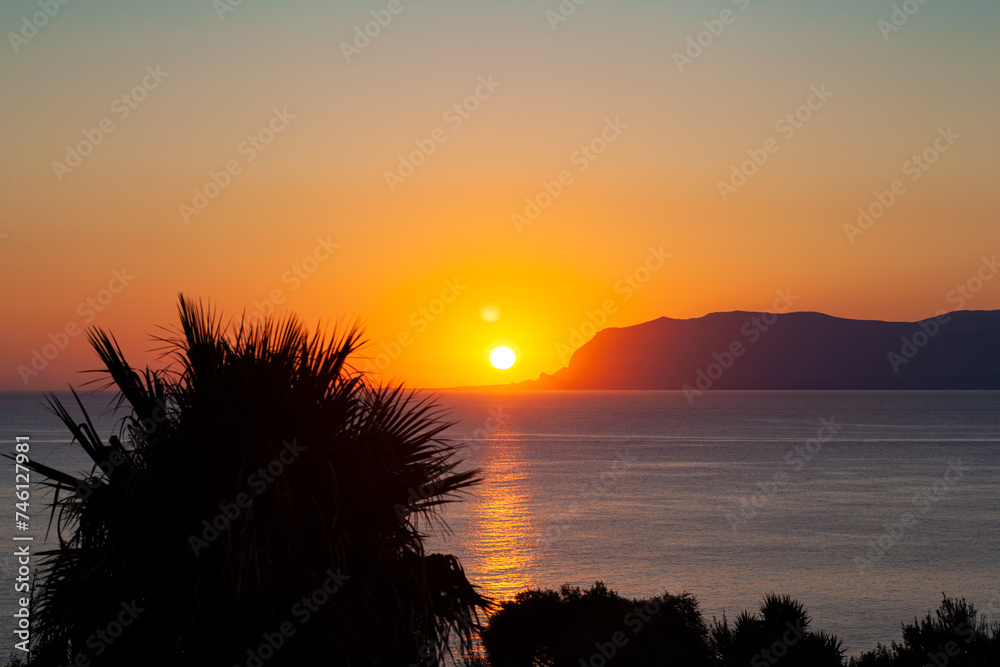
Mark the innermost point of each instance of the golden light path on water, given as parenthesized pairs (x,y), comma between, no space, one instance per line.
(501,520)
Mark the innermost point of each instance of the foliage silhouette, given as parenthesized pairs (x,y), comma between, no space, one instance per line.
(324,565)
(778,632)
(596,626)
(954,636)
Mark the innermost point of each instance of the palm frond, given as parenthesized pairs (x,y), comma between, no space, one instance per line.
(368,463)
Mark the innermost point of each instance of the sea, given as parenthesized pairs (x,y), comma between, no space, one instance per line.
(866,506)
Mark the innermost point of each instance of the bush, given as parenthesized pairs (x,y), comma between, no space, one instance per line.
(574,627)
(954,636)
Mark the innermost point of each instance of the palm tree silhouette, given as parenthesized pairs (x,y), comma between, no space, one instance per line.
(779,633)
(262,503)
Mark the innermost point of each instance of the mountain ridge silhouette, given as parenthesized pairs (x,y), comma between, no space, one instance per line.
(738,350)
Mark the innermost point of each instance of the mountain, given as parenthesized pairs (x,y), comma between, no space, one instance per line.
(805,350)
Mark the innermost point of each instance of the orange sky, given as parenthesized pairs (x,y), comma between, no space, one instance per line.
(616,123)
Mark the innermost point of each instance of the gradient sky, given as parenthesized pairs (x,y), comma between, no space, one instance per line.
(447,228)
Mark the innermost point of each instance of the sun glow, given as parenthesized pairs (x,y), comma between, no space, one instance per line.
(502,357)
(489,313)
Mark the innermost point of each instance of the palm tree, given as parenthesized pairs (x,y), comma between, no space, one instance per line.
(779,631)
(263,502)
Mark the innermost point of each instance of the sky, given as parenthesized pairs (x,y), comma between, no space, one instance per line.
(456,175)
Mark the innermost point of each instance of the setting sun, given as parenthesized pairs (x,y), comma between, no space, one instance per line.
(501,329)
(502,357)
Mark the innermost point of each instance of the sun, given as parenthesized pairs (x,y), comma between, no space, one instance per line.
(502,357)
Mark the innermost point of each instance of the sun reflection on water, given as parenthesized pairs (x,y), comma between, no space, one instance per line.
(503,526)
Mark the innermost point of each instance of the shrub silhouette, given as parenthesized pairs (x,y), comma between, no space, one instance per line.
(777,634)
(324,565)
(955,636)
(574,627)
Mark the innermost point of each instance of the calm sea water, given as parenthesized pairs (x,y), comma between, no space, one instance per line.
(738,495)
